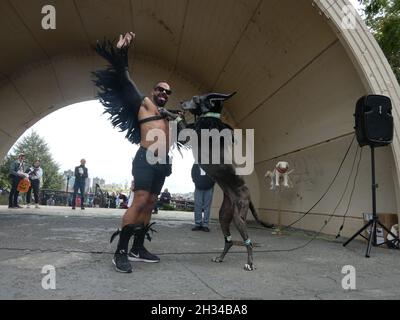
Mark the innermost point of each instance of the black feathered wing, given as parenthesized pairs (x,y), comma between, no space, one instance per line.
(117,91)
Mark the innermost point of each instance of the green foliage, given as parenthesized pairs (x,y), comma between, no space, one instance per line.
(3,199)
(34,147)
(4,172)
(383,17)
(167,207)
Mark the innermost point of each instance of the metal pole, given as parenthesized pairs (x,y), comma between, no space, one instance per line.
(279,211)
(278,230)
(66,191)
(374,186)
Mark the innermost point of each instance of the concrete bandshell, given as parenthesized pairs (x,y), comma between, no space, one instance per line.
(298,74)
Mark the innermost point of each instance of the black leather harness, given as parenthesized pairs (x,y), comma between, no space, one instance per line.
(154,118)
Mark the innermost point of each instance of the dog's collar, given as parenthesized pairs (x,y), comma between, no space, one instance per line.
(280,170)
(211,115)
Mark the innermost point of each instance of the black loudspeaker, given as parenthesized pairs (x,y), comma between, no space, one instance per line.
(374,121)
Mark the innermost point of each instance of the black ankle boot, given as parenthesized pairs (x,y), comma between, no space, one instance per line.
(138,251)
(120,259)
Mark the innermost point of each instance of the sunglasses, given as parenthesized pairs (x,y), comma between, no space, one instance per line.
(161,89)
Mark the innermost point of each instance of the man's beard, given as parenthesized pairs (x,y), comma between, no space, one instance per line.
(159,102)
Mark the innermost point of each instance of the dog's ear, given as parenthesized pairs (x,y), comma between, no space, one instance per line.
(218,97)
(214,101)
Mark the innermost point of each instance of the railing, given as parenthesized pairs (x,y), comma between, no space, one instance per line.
(62,198)
(98,199)
(187,205)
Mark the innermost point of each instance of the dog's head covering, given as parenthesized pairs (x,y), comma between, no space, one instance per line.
(211,102)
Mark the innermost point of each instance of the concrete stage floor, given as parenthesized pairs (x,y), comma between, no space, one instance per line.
(76,243)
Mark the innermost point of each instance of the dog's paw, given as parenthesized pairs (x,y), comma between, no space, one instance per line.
(249,267)
(217,260)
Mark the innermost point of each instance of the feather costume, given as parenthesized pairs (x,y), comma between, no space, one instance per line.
(118,93)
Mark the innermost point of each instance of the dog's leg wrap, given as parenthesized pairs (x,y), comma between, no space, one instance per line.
(249,246)
(248,243)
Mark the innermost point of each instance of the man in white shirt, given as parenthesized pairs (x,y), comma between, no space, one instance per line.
(35,174)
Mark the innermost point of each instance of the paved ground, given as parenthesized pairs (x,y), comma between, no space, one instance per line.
(76,244)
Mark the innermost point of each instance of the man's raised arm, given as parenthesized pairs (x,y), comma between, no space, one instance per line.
(118,92)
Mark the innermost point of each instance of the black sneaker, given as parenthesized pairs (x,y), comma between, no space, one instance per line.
(205,229)
(73,208)
(121,262)
(143,255)
(197,228)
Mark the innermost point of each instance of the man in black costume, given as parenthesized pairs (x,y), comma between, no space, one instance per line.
(139,116)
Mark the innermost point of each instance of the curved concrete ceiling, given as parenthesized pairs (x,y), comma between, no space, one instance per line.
(297,72)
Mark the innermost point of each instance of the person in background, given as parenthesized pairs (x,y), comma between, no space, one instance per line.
(51,201)
(111,199)
(123,201)
(17,172)
(203,194)
(35,174)
(165,198)
(117,200)
(81,174)
(132,193)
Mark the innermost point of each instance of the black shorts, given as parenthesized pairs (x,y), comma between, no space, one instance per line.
(149,177)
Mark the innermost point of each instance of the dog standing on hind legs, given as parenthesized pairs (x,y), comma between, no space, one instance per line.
(237,201)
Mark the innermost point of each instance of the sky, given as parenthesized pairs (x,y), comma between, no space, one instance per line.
(82,131)
(356,4)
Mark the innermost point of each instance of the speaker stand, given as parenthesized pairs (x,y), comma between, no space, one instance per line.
(374,222)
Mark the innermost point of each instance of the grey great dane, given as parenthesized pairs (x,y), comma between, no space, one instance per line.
(237,201)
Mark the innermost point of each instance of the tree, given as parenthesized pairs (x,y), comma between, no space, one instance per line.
(34,147)
(4,172)
(383,17)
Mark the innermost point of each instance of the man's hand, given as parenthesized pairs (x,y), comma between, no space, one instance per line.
(125,41)
(168,114)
